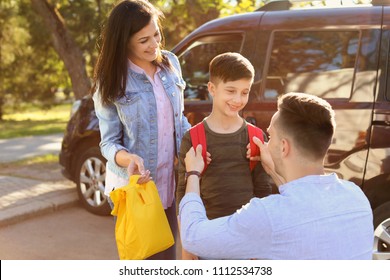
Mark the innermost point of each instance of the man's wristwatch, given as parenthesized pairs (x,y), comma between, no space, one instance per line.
(193,172)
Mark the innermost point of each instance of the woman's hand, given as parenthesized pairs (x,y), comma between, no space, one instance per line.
(134,168)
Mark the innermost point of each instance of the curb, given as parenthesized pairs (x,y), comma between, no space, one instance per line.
(27,198)
(21,213)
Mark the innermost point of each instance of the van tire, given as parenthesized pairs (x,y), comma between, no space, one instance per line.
(381,250)
(90,176)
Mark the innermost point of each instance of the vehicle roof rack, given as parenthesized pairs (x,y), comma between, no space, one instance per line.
(282,5)
(380,2)
(278,5)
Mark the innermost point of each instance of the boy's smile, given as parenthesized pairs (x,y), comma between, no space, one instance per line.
(230,97)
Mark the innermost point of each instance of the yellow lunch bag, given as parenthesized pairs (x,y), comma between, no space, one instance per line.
(141,228)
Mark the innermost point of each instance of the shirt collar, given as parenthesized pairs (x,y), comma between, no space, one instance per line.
(310,179)
(138,69)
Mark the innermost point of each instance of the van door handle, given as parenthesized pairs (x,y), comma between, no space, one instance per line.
(381,123)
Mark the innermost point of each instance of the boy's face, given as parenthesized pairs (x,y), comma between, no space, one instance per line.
(229,98)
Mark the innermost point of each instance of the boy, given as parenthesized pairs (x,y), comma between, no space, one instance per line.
(227,183)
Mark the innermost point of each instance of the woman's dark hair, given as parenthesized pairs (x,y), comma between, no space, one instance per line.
(126,18)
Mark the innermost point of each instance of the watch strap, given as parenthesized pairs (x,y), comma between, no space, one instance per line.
(193,172)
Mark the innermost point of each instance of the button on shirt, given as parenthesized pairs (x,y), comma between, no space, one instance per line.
(314,217)
(165,180)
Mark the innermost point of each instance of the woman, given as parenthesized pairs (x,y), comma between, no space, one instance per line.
(138,96)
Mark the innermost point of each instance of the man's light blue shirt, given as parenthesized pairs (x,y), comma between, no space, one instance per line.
(314,217)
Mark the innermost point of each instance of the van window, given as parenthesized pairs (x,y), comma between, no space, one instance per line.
(196,58)
(317,62)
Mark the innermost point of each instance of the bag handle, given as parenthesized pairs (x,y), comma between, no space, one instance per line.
(143,194)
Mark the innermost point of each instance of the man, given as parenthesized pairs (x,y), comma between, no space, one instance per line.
(315,216)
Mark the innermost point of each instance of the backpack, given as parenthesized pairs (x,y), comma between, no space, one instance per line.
(198,136)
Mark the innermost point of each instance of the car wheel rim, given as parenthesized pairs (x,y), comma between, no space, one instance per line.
(382,241)
(92,181)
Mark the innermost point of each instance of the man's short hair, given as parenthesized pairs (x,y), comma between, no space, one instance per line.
(230,66)
(309,120)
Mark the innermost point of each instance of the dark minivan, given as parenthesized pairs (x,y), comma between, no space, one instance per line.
(340,54)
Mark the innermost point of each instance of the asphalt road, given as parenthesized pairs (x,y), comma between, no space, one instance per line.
(68,234)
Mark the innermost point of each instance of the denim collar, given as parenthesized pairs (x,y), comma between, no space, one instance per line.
(137,71)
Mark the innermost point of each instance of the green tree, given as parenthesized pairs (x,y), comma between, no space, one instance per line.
(65,45)
(183,16)
(5,33)
(30,68)
(59,47)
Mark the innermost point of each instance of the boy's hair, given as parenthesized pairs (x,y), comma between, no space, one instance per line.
(309,120)
(230,67)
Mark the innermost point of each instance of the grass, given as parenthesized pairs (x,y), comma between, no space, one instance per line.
(49,158)
(31,120)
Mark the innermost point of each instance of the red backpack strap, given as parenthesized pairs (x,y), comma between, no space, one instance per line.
(254,131)
(198,136)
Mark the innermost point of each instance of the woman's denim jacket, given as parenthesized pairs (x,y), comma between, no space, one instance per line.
(130,123)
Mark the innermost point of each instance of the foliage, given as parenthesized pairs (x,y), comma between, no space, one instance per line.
(183,16)
(84,19)
(31,70)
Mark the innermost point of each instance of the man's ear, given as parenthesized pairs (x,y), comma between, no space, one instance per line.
(285,147)
(211,88)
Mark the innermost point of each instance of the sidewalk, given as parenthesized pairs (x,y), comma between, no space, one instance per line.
(25,147)
(22,197)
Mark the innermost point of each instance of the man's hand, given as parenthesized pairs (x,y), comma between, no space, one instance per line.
(134,168)
(208,158)
(194,160)
(265,156)
(267,162)
(248,153)
(185,255)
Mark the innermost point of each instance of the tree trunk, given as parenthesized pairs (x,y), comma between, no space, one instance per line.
(1,107)
(65,46)
(2,91)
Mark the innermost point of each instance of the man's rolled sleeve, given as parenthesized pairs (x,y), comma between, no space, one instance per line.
(195,204)
(191,212)
(245,234)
